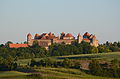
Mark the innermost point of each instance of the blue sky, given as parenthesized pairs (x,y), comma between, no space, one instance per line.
(99,17)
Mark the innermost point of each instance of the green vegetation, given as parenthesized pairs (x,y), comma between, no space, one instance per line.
(63,73)
(51,73)
(108,70)
(12,75)
(103,56)
(61,61)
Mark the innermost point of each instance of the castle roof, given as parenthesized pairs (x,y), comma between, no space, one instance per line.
(69,35)
(50,34)
(36,35)
(63,33)
(29,34)
(47,36)
(17,45)
(79,35)
(86,34)
(87,40)
(43,37)
(94,37)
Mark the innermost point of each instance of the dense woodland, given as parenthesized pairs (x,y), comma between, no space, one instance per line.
(8,56)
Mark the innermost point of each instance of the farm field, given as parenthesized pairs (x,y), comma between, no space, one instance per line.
(60,73)
(105,56)
(12,75)
(51,73)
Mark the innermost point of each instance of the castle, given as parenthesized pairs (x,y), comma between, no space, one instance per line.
(46,39)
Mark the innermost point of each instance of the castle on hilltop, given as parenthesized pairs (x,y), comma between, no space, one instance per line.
(46,39)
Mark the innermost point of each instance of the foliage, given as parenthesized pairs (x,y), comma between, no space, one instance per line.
(113,69)
(49,62)
(74,48)
(7,64)
(109,47)
(95,68)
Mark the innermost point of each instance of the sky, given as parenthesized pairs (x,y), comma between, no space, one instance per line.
(20,17)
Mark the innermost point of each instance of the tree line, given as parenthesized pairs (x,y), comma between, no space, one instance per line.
(36,51)
(8,56)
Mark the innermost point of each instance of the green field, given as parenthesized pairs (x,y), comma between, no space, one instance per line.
(63,73)
(51,73)
(60,73)
(12,75)
(105,56)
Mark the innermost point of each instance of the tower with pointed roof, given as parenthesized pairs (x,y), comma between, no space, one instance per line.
(79,38)
(29,39)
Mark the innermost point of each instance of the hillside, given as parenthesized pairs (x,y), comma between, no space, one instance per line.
(105,56)
(51,73)
(59,73)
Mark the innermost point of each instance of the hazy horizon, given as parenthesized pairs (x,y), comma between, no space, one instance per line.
(20,17)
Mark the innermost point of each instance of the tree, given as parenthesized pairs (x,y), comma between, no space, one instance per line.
(95,68)
(35,44)
(2,45)
(67,63)
(93,49)
(7,43)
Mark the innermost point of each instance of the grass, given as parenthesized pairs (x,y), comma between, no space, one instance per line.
(12,74)
(105,56)
(26,61)
(51,73)
(63,73)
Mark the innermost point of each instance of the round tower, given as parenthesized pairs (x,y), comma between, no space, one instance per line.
(79,38)
(36,36)
(29,39)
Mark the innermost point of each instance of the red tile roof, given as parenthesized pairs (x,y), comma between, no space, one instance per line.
(29,34)
(86,34)
(87,40)
(69,35)
(79,34)
(17,45)
(36,35)
(50,34)
(43,37)
(63,33)
(94,37)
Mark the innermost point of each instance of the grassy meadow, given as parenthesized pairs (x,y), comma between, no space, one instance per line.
(12,75)
(105,56)
(51,73)
(60,73)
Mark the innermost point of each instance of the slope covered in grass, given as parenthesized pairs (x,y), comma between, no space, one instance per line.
(12,74)
(106,56)
(63,73)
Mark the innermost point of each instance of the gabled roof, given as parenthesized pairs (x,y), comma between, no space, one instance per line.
(87,40)
(94,37)
(69,35)
(43,37)
(86,34)
(37,36)
(79,35)
(29,34)
(17,45)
